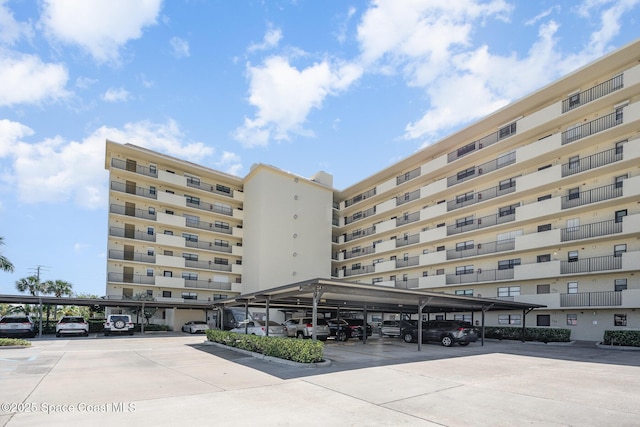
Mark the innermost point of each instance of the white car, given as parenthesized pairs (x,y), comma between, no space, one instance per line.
(72,325)
(13,326)
(257,327)
(195,327)
(120,323)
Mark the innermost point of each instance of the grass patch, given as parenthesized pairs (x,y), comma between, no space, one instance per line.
(5,342)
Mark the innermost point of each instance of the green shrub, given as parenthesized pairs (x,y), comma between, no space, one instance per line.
(302,351)
(14,341)
(626,338)
(531,334)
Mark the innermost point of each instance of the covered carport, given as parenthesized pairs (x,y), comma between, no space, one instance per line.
(336,295)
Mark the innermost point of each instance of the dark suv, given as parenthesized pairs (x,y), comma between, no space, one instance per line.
(348,328)
(447,332)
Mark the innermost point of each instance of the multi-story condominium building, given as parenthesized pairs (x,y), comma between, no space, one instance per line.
(538,202)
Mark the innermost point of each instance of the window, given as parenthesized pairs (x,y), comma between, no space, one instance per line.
(574,193)
(223,189)
(572,319)
(167,273)
(152,190)
(509,319)
(543,289)
(439,271)
(440,249)
(193,180)
(466,149)
(465,292)
(509,291)
(149,292)
(151,251)
(152,210)
(574,100)
(376,280)
(620,285)
(153,169)
(461,222)
(619,179)
(462,317)
(190,257)
(508,210)
(544,258)
(150,231)
(190,276)
(167,253)
(572,287)
(544,227)
(190,237)
(545,197)
(620,214)
(507,183)
(223,225)
(169,212)
(572,256)
(619,147)
(618,250)
(356,266)
(466,173)
(166,294)
(168,232)
(467,269)
(355,250)
(619,114)
(508,264)
(507,130)
(574,162)
(190,295)
(149,272)
(573,224)
(464,197)
(620,320)
(464,245)
(543,320)
(221,261)
(192,200)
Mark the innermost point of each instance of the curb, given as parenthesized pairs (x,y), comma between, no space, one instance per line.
(261,356)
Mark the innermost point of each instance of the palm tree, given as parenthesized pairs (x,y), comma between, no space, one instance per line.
(31,285)
(58,288)
(5,264)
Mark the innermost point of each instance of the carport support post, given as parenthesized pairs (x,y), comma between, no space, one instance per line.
(142,323)
(317,293)
(364,325)
(246,316)
(421,306)
(266,326)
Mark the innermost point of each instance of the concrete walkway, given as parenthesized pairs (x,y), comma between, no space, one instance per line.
(172,379)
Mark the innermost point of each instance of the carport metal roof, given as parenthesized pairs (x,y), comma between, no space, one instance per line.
(343,295)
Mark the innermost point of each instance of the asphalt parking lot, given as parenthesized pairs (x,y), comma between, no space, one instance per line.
(171,378)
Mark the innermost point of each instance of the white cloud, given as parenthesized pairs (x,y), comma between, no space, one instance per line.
(27,80)
(230,163)
(270,40)
(54,170)
(99,27)
(85,82)
(179,47)
(285,95)
(116,95)
(11,30)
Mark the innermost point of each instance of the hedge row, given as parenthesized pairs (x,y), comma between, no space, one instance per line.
(302,351)
(626,338)
(531,334)
(5,342)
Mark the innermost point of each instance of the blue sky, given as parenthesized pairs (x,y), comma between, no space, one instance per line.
(347,87)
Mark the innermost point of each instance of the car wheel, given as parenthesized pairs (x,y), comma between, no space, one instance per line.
(300,335)
(446,340)
(342,336)
(408,337)
(464,343)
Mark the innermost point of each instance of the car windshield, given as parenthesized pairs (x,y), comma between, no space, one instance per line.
(15,320)
(72,320)
(199,322)
(116,318)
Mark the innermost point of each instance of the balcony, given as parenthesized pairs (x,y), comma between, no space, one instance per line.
(360,215)
(408,262)
(211,246)
(600,124)
(472,198)
(408,197)
(130,211)
(479,276)
(355,271)
(131,188)
(586,231)
(587,265)
(591,299)
(131,278)
(482,249)
(206,265)
(598,91)
(406,284)
(132,166)
(131,234)
(407,176)
(211,207)
(484,168)
(207,284)
(592,196)
(211,226)
(407,240)
(132,256)
(359,252)
(359,233)
(596,160)
(483,142)
(407,219)
(476,224)
(222,190)
(360,197)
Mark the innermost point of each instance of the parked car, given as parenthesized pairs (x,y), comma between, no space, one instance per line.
(195,327)
(352,327)
(302,327)
(14,326)
(72,325)
(119,323)
(339,330)
(447,332)
(257,327)
(394,328)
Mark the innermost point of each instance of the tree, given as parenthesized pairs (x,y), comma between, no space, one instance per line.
(31,285)
(58,288)
(5,264)
(148,312)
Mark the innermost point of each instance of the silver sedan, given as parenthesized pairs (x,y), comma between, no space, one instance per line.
(257,327)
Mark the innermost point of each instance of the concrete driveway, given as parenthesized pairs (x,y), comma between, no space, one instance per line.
(173,378)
